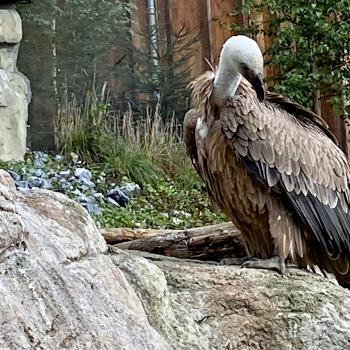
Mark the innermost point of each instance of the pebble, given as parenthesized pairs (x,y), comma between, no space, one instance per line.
(75,181)
(65,173)
(99,195)
(40,158)
(39,173)
(75,157)
(82,198)
(35,182)
(14,175)
(59,158)
(38,163)
(22,184)
(82,173)
(112,201)
(87,183)
(46,184)
(119,196)
(131,189)
(93,209)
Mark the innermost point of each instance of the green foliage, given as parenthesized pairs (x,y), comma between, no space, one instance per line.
(310,48)
(173,204)
(139,147)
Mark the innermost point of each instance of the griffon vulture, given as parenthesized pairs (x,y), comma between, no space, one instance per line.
(271,165)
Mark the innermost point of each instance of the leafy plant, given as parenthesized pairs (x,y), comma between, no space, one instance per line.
(309,50)
(166,204)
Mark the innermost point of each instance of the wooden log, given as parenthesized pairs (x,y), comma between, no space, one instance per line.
(119,235)
(206,243)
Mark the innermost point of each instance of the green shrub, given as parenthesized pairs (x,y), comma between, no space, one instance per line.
(172,204)
(309,50)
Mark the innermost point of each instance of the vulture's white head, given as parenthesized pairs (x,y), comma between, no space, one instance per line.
(240,55)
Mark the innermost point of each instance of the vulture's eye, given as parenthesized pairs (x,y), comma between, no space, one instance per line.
(244,67)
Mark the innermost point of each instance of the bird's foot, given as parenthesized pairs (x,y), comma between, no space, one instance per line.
(276,263)
(234,261)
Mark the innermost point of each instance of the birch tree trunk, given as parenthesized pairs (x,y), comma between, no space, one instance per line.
(54,59)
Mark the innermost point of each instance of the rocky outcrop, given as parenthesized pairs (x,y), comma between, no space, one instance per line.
(58,288)
(202,306)
(14,88)
(61,288)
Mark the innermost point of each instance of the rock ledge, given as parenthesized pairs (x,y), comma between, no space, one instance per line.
(61,288)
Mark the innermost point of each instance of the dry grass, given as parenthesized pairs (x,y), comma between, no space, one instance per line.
(141,148)
(160,142)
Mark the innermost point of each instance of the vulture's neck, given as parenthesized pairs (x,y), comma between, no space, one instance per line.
(226,81)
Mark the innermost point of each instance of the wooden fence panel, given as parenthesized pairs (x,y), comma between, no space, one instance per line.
(335,122)
(193,15)
(220,12)
(139,22)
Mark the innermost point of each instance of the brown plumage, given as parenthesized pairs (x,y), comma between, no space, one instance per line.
(275,169)
(189,125)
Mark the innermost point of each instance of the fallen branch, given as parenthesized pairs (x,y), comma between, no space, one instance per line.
(206,243)
(119,235)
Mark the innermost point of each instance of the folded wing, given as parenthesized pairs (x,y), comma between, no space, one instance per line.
(291,151)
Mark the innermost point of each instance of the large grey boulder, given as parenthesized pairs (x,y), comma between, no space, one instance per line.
(14,89)
(202,306)
(61,288)
(58,289)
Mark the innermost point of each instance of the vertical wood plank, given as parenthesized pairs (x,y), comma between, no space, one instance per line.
(220,10)
(335,122)
(139,22)
(193,16)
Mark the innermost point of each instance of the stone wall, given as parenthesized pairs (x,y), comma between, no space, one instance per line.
(14,88)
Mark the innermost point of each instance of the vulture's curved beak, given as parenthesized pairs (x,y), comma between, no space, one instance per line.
(257,81)
(258,85)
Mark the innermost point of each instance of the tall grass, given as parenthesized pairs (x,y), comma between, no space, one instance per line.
(140,147)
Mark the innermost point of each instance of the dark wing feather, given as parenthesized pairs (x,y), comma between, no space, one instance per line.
(330,226)
(294,155)
(189,130)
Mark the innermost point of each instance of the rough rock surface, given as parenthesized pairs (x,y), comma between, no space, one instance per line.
(58,289)
(201,306)
(14,89)
(61,289)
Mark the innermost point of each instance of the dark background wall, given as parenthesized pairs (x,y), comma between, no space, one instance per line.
(84,41)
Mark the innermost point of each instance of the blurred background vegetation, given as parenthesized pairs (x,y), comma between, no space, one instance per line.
(309,48)
(113,90)
(115,101)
